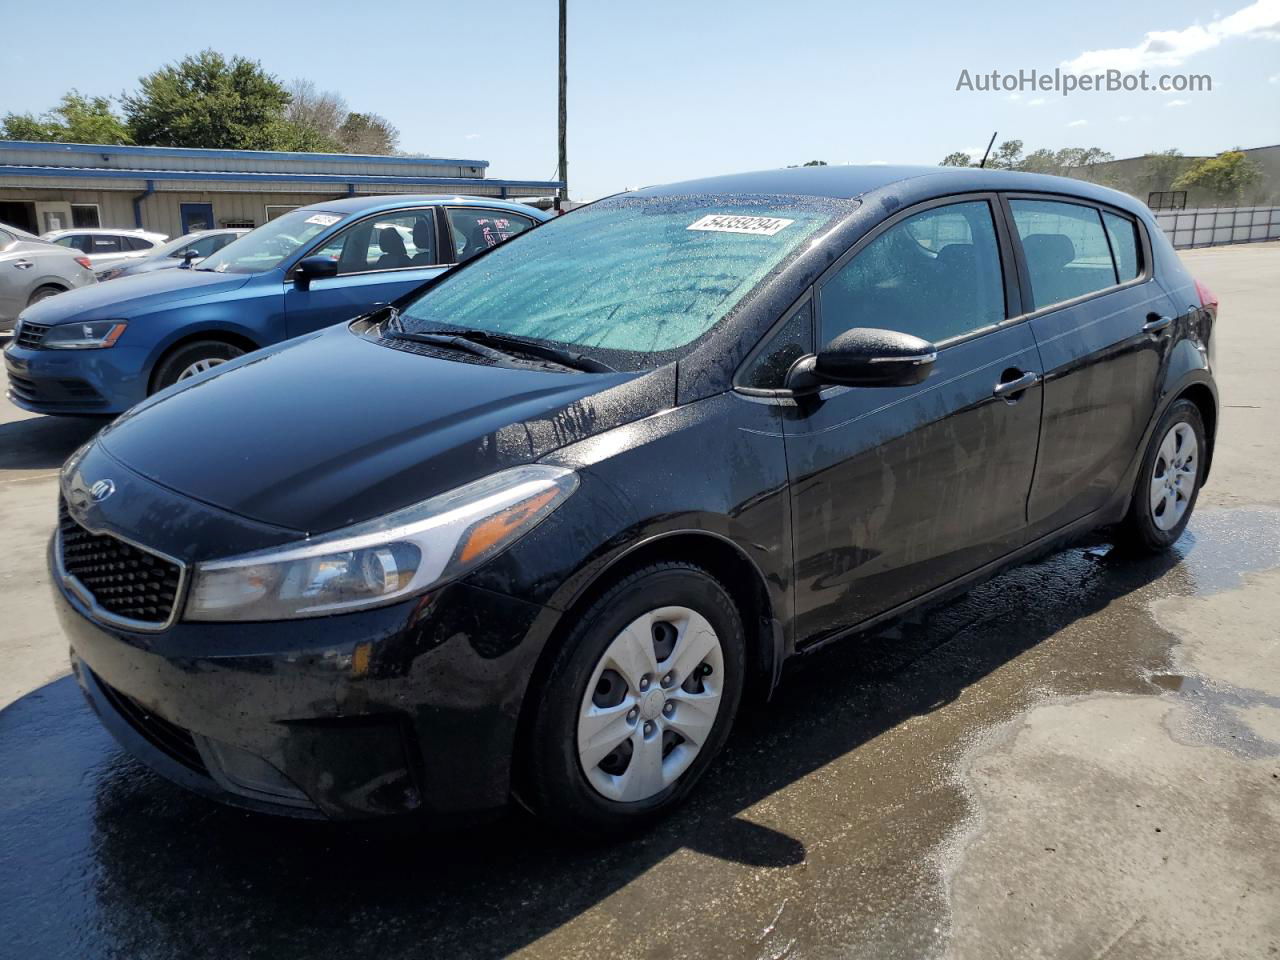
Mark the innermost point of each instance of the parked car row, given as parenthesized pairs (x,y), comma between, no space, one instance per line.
(535,527)
(104,247)
(186,251)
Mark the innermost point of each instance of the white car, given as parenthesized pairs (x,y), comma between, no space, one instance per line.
(104,246)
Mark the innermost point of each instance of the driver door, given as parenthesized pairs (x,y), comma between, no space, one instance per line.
(380,258)
(899,490)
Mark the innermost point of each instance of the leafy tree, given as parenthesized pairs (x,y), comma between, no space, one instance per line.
(815,163)
(957,159)
(76,119)
(1007,156)
(208,101)
(1162,168)
(1041,161)
(368,133)
(1227,175)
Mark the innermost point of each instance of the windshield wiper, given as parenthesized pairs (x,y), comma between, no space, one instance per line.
(533,348)
(449,340)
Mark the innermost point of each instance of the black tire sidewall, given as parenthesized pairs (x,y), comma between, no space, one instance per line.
(558,787)
(1141,521)
(167,372)
(44,293)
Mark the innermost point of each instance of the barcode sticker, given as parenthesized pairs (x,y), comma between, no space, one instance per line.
(729,223)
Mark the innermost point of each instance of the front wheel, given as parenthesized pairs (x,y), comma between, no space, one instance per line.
(1168,480)
(638,701)
(192,359)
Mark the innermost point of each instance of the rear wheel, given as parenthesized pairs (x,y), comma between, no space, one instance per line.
(193,359)
(638,701)
(44,293)
(1168,481)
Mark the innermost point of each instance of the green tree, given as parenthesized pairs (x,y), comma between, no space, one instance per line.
(1007,156)
(209,101)
(76,119)
(957,159)
(368,133)
(1226,176)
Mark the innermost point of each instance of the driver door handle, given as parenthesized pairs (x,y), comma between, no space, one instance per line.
(1008,389)
(1155,323)
(23,264)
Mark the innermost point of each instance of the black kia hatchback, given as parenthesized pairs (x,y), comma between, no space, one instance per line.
(536,530)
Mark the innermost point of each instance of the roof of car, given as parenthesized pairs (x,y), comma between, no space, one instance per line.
(847,182)
(387,202)
(113,231)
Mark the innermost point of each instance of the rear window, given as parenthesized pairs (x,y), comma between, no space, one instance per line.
(1065,248)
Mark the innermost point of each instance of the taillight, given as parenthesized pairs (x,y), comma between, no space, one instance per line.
(84,262)
(1207,298)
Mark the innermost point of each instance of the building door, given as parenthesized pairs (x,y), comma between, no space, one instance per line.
(20,214)
(53,215)
(196,216)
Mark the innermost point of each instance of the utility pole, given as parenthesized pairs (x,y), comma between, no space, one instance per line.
(564,147)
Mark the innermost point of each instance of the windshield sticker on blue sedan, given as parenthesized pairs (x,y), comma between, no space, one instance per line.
(728,223)
(324,219)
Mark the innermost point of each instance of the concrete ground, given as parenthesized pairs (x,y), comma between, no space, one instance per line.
(1079,759)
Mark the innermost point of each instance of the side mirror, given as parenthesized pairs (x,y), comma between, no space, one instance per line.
(189,256)
(865,357)
(313,268)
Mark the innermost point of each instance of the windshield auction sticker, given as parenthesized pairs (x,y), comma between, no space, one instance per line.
(727,223)
(324,219)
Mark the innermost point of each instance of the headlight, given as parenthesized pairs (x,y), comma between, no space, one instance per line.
(383,560)
(84,336)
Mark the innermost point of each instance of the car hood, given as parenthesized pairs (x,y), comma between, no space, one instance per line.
(334,428)
(128,296)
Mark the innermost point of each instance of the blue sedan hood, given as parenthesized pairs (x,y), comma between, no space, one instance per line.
(127,297)
(336,428)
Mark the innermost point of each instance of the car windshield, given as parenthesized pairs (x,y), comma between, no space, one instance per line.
(274,241)
(632,280)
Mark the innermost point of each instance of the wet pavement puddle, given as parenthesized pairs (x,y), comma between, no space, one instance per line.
(857,815)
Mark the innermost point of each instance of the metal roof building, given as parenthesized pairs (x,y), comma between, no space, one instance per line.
(173,190)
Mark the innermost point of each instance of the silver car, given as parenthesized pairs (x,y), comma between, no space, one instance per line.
(185,251)
(31,270)
(105,246)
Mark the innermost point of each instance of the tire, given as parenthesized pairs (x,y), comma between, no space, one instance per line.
(186,361)
(44,293)
(1154,522)
(556,783)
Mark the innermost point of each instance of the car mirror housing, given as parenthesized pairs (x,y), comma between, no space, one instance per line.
(865,357)
(314,268)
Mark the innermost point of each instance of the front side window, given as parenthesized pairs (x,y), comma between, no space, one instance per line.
(1123,234)
(272,243)
(1065,248)
(633,280)
(935,275)
(475,231)
(394,241)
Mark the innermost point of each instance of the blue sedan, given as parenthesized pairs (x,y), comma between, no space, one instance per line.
(101,349)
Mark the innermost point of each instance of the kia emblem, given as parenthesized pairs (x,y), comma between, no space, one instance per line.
(101,490)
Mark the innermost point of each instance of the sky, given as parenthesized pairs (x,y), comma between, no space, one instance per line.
(662,91)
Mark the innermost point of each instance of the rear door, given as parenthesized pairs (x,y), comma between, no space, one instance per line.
(897,490)
(1099,320)
(380,258)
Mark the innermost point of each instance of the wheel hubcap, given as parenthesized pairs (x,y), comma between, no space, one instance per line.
(651,704)
(200,366)
(1173,477)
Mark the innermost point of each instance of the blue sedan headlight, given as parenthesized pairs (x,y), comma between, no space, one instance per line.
(94,335)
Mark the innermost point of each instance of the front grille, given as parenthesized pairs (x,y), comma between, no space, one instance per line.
(123,580)
(31,334)
(169,738)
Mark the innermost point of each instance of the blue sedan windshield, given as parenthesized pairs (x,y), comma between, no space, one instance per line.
(631,277)
(264,248)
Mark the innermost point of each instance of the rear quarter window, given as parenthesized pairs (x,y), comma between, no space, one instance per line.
(1123,234)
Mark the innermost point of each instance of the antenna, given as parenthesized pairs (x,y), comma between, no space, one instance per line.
(987,153)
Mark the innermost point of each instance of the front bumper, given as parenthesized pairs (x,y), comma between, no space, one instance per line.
(389,711)
(78,382)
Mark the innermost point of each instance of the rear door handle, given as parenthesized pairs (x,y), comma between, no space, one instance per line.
(1008,389)
(1155,323)
(23,264)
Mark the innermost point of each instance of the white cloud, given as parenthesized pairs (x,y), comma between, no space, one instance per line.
(1274,78)
(877,163)
(472,136)
(1078,123)
(1015,96)
(1177,103)
(1037,102)
(1123,119)
(1170,48)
